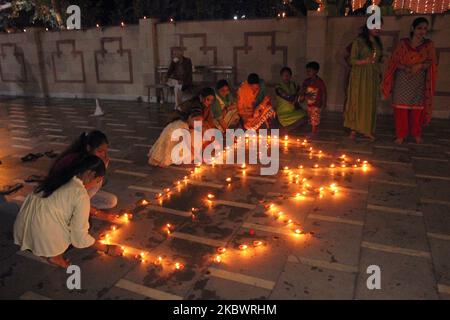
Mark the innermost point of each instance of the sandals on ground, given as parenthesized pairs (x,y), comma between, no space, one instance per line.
(34,178)
(31,157)
(7,190)
(50,154)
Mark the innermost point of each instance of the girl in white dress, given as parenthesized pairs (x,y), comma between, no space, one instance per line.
(56,214)
(160,153)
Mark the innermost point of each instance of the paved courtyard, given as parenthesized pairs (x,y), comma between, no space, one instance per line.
(394,214)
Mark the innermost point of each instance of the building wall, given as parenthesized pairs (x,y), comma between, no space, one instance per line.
(262,46)
(120,62)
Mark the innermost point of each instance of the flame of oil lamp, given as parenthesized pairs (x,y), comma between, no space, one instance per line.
(257,243)
(298,231)
(286,137)
(289,221)
(343,166)
(243,166)
(210,196)
(316,166)
(127,217)
(185,177)
(286,168)
(280,214)
(114,228)
(218,259)
(355,166)
(179,266)
(159,260)
(243,247)
(144,202)
(332,165)
(228,179)
(221,250)
(300,167)
(359,160)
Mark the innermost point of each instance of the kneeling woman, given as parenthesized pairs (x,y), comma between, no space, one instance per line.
(160,154)
(56,214)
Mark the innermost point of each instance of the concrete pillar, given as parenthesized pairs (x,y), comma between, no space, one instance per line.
(316,31)
(37,84)
(148,47)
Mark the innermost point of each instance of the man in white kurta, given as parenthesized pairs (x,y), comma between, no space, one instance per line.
(48,226)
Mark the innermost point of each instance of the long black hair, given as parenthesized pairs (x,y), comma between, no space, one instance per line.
(93,140)
(56,180)
(416,22)
(365,35)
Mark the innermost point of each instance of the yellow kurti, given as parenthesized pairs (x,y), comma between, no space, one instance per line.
(363,92)
(47,226)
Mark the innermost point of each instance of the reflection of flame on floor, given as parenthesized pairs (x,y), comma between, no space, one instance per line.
(305,190)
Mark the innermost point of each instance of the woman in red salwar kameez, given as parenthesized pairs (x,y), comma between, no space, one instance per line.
(411,77)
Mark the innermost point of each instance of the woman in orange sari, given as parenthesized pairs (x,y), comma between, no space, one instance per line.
(411,77)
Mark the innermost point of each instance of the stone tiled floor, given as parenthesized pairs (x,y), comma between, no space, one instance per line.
(396,215)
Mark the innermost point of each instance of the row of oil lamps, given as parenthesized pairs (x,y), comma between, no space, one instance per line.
(218,258)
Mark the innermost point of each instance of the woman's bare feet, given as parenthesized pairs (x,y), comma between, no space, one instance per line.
(398,141)
(353,135)
(59,261)
(419,140)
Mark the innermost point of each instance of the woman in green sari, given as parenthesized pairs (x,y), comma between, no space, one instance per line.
(287,90)
(363,92)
